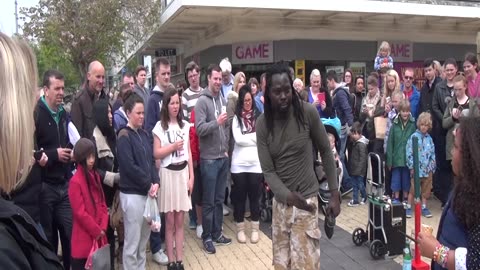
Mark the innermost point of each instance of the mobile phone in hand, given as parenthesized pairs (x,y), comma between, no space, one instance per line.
(38,154)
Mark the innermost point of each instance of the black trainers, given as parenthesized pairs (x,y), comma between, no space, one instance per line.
(180,266)
(209,247)
(223,241)
(172,266)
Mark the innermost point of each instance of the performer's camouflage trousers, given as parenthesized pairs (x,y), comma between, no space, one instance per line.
(295,237)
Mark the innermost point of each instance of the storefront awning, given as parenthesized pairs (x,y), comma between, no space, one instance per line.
(191,26)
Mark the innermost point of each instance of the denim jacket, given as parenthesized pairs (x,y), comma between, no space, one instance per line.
(426,153)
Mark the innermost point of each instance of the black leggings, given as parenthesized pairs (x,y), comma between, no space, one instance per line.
(78,264)
(246,184)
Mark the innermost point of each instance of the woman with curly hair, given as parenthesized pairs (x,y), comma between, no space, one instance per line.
(458,240)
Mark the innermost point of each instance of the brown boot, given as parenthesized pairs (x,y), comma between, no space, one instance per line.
(241,238)
(255,235)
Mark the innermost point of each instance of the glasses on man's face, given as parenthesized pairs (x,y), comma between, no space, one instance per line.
(408,78)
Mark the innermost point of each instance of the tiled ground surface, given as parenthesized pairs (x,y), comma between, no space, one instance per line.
(337,253)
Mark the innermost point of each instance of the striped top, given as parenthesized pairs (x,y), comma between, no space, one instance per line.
(189,99)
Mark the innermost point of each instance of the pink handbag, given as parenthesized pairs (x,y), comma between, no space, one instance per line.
(99,257)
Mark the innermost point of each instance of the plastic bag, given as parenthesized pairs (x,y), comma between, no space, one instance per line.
(151,214)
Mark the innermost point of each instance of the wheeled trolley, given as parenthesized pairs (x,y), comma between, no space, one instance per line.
(385,231)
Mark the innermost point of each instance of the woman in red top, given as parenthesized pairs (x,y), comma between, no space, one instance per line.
(90,214)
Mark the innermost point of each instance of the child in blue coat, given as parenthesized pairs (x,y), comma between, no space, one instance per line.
(426,158)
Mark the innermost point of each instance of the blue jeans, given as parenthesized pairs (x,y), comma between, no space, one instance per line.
(358,185)
(401,180)
(156,237)
(343,142)
(214,181)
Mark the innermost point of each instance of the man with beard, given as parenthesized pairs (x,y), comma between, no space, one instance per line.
(286,134)
(210,122)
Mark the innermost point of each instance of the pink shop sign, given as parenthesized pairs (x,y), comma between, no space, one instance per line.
(252,52)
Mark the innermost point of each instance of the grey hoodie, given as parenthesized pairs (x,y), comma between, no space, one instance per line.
(213,139)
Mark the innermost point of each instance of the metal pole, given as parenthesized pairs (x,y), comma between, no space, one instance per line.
(16,17)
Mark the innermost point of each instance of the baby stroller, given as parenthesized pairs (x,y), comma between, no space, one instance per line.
(332,127)
(386,226)
(266,203)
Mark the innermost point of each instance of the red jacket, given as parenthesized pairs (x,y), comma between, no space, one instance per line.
(194,145)
(87,224)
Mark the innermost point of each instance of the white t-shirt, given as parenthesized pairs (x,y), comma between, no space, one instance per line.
(170,136)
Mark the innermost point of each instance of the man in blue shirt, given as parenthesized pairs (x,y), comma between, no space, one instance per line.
(259,96)
(227,77)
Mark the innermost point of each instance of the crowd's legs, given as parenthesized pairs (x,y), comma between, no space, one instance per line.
(214,177)
(56,212)
(137,231)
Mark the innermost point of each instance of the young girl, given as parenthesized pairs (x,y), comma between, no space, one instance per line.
(383,61)
(460,106)
(90,214)
(403,127)
(427,164)
(171,145)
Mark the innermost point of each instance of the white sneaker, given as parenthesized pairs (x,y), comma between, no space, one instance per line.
(199,231)
(160,258)
(225,210)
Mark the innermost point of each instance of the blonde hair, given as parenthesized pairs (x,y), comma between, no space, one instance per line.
(398,93)
(425,118)
(391,73)
(18,84)
(236,80)
(404,106)
(384,46)
(438,68)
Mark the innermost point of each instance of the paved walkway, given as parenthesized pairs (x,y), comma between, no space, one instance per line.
(337,253)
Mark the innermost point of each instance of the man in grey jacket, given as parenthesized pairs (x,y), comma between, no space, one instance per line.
(210,122)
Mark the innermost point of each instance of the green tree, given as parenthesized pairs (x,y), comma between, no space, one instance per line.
(87,30)
(51,57)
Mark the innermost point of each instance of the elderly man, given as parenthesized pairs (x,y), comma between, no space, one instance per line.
(227,77)
(82,106)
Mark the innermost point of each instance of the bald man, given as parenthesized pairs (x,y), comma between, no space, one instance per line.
(82,106)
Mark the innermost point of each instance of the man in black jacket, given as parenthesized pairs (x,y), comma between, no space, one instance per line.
(441,97)
(51,135)
(426,105)
(82,106)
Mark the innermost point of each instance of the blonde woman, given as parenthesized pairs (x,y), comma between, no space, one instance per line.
(392,84)
(238,81)
(23,245)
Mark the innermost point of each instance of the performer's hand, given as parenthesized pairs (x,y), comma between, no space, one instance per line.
(333,208)
(296,199)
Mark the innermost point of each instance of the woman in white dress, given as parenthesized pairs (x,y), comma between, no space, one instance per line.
(171,145)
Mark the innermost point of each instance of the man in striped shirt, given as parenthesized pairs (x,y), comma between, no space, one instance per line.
(190,96)
(189,99)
